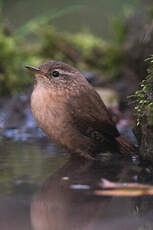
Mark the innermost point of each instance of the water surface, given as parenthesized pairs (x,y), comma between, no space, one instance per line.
(60,191)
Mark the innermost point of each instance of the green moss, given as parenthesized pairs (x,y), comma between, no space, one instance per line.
(144,97)
(13,56)
(86,42)
(82,50)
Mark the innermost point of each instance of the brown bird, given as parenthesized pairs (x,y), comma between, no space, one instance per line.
(69,110)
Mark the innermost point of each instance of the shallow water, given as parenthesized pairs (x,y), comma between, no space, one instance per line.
(23,167)
(60,191)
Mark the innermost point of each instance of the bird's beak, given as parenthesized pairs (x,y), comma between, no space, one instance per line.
(33,69)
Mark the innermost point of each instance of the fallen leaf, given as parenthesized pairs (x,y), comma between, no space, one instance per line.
(123,189)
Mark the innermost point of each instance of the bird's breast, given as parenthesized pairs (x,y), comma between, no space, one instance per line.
(49,112)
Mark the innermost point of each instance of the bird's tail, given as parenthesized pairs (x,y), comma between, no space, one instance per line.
(126,147)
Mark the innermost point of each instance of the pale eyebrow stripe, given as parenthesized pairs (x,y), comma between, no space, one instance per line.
(62,72)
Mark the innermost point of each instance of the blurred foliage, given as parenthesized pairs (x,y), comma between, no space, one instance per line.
(132,43)
(83,50)
(36,22)
(119,30)
(15,52)
(13,56)
(150,12)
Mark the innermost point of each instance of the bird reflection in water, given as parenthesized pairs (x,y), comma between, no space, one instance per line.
(66,200)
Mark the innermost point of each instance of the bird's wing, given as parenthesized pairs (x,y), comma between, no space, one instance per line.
(91,115)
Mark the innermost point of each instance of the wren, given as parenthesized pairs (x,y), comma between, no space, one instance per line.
(69,110)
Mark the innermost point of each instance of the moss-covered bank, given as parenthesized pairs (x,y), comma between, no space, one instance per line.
(144,109)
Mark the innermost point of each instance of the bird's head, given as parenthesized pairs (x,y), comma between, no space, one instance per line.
(58,75)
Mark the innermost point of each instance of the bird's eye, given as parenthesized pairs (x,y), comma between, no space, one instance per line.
(55,74)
